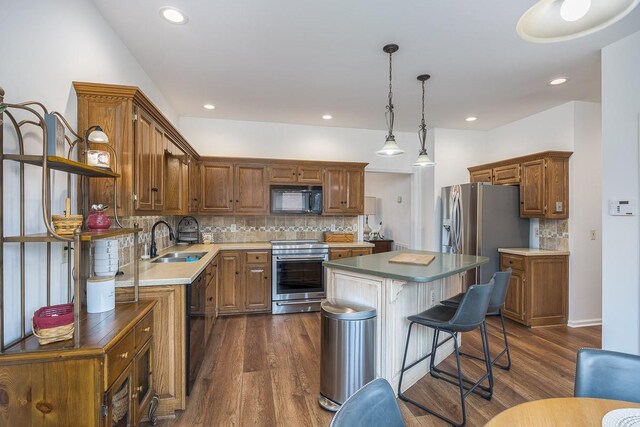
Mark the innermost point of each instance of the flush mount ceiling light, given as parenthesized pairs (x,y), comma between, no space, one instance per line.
(471,119)
(327,117)
(558,81)
(423,159)
(173,15)
(558,20)
(390,147)
(209,106)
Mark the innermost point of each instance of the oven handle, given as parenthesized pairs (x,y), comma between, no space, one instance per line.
(300,257)
(308,301)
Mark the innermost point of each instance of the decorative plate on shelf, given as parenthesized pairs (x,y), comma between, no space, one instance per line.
(625,417)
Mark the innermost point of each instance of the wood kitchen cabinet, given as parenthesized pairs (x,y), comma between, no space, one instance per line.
(343,190)
(211,289)
(175,175)
(138,133)
(538,290)
(340,253)
(245,282)
(250,189)
(295,174)
(216,191)
(233,188)
(105,382)
(543,179)
(194,184)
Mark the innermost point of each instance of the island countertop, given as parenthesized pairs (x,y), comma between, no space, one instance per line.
(443,265)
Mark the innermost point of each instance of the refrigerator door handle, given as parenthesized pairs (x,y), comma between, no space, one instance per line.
(456,219)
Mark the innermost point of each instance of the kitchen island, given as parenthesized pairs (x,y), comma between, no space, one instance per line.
(398,291)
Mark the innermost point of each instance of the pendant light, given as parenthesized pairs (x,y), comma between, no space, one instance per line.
(550,21)
(390,148)
(423,159)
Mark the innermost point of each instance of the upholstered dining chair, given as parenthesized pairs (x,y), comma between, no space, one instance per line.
(607,375)
(374,405)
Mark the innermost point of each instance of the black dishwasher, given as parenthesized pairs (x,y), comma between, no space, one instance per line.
(195,321)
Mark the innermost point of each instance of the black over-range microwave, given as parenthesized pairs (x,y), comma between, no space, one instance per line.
(296,200)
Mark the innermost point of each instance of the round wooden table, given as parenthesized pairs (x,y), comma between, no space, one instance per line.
(566,411)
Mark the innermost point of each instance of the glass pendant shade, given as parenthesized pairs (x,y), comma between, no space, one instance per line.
(390,148)
(424,160)
(550,21)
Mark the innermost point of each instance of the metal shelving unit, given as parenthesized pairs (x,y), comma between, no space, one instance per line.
(78,275)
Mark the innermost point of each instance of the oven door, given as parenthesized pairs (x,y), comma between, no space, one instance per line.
(297,277)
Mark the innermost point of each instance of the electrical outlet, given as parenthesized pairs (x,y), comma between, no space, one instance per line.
(333,227)
(432,297)
(233,228)
(64,257)
(593,234)
(399,199)
(536,231)
(558,206)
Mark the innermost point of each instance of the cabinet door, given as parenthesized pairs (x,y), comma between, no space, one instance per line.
(230,298)
(354,191)
(310,174)
(118,400)
(194,187)
(216,187)
(481,176)
(284,174)
(210,295)
(514,307)
(339,253)
(115,117)
(173,184)
(257,288)
(157,164)
(333,199)
(557,186)
(507,175)
(548,289)
(144,146)
(532,189)
(251,189)
(143,381)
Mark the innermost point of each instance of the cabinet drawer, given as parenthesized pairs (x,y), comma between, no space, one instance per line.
(119,357)
(339,253)
(513,261)
(254,257)
(360,251)
(144,329)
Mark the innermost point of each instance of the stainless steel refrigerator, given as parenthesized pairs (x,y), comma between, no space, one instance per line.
(479,218)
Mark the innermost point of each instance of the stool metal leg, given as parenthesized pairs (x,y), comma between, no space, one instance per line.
(504,351)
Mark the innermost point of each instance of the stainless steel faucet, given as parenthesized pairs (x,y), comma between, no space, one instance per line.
(154,251)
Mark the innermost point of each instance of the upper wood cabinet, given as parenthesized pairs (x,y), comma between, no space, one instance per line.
(138,133)
(343,190)
(216,191)
(250,189)
(194,184)
(543,179)
(295,174)
(176,186)
(228,188)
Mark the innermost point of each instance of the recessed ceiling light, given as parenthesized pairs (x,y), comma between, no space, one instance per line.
(471,119)
(173,15)
(209,106)
(327,117)
(558,81)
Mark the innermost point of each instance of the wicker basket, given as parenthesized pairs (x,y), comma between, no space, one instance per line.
(66,225)
(120,404)
(53,323)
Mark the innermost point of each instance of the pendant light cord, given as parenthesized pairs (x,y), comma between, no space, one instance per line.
(390,106)
(422,123)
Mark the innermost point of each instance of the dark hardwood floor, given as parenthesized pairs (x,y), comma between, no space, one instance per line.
(263,370)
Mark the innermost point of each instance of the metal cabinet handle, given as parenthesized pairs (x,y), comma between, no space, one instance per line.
(210,299)
(139,389)
(123,355)
(147,329)
(154,189)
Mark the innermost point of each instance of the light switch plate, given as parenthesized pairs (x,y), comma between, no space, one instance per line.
(558,206)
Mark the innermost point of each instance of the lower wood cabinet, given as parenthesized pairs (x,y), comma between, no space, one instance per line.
(538,290)
(108,381)
(381,245)
(244,282)
(339,253)
(211,278)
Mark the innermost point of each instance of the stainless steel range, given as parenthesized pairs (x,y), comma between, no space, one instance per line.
(298,275)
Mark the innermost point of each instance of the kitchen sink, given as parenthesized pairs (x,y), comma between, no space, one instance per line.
(180,257)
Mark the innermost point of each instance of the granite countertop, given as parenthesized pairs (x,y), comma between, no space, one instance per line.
(183,273)
(443,265)
(531,252)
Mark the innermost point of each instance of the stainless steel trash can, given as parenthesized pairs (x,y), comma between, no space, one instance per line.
(347,360)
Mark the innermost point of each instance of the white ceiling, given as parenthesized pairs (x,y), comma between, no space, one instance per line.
(292,61)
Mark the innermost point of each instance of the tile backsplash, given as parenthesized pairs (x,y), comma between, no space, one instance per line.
(247,229)
(553,234)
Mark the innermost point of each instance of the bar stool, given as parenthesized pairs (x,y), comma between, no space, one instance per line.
(469,315)
(496,304)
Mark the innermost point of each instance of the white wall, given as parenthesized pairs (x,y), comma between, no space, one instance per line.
(574,126)
(47,45)
(620,245)
(395,215)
